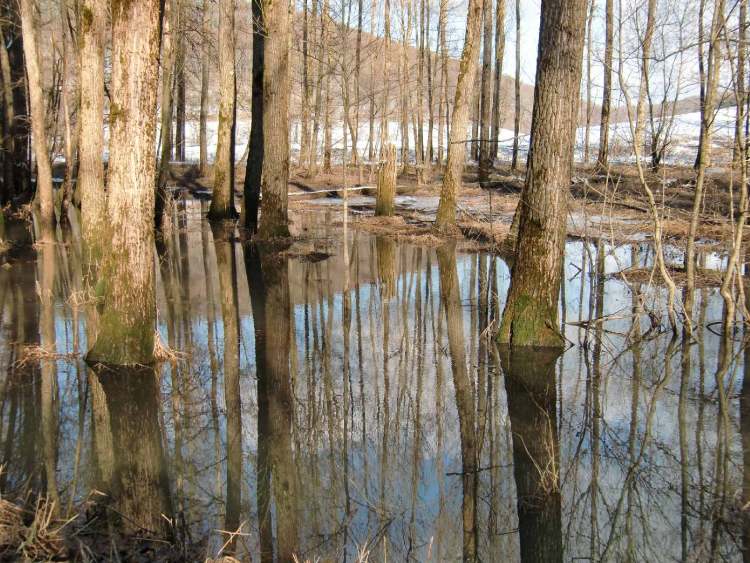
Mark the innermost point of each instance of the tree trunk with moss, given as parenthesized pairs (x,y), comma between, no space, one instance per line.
(128,318)
(531,317)
(222,199)
(384,201)
(38,107)
(91,37)
(446,213)
(273,218)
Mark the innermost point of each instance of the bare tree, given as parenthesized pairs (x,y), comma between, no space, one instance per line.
(126,334)
(603,158)
(485,145)
(446,213)
(517,89)
(205,62)
(38,106)
(91,169)
(499,56)
(222,199)
(273,219)
(531,311)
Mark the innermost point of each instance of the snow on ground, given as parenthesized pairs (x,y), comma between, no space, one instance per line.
(682,149)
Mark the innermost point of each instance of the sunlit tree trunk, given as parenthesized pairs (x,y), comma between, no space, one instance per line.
(589,108)
(126,333)
(531,312)
(485,145)
(168,60)
(38,107)
(499,55)
(254,170)
(704,155)
(609,32)
(517,90)
(91,37)
(273,219)
(205,65)
(222,198)
(446,213)
(179,125)
(443,103)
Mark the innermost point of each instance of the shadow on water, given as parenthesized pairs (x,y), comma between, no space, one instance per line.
(332,401)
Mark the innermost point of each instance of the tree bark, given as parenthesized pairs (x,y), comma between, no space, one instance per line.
(38,105)
(485,145)
(205,61)
(91,37)
(273,219)
(517,89)
(603,158)
(386,183)
(531,312)
(254,167)
(126,333)
(499,55)
(222,199)
(446,214)
(168,58)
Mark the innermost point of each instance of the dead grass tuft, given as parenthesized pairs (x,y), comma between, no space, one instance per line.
(163,353)
(32,536)
(34,354)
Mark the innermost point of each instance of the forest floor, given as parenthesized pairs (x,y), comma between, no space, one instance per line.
(611,206)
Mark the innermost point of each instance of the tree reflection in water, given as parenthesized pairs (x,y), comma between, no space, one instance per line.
(325,406)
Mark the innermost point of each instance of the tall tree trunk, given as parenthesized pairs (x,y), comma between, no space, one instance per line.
(531,311)
(273,219)
(446,213)
(708,113)
(701,74)
(306,87)
(517,89)
(499,55)
(254,169)
(222,199)
(589,107)
(442,22)
(37,103)
(179,124)
(485,145)
(168,57)
(126,334)
(385,114)
(602,160)
(91,37)
(205,62)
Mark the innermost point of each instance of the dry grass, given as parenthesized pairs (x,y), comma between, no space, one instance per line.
(163,353)
(32,535)
(34,354)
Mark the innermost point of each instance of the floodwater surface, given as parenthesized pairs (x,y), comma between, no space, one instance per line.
(346,397)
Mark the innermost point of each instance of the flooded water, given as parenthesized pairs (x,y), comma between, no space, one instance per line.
(347,397)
